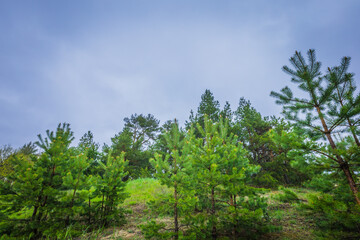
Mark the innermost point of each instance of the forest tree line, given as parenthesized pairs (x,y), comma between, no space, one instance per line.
(219,165)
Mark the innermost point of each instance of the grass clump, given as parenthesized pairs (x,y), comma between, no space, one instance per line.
(144,190)
(288,196)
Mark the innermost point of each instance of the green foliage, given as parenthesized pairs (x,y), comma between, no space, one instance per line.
(34,187)
(265,179)
(270,142)
(322,182)
(173,170)
(27,149)
(6,151)
(7,155)
(250,218)
(330,112)
(143,128)
(284,141)
(344,102)
(209,175)
(5,161)
(91,148)
(335,218)
(153,230)
(145,173)
(136,139)
(288,196)
(47,193)
(205,176)
(208,107)
(221,170)
(110,188)
(330,108)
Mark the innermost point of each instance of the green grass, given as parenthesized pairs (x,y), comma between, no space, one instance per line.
(286,215)
(289,216)
(143,190)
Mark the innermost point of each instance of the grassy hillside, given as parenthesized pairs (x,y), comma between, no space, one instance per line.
(146,196)
(141,192)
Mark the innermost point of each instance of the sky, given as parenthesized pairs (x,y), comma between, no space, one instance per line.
(93,63)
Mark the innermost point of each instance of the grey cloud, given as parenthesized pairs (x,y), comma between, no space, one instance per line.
(157,58)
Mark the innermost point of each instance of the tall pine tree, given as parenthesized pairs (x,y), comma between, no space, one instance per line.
(312,112)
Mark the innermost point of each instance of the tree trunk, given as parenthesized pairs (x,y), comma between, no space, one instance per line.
(213,231)
(102,208)
(176,224)
(36,207)
(233,203)
(34,213)
(350,179)
(67,221)
(343,164)
(89,211)
(286,178)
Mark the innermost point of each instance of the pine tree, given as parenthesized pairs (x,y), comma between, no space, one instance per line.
(136,139)
(227,113)
(208,106)
(110,188)
(5,162)
(74,183)
(344,102)
(91,148)
(220,168)
(46,193)
(283,142)
(311,112)
(143,128)
(36,183)
(252,128)
(7,153)
(161,145)
(172,168)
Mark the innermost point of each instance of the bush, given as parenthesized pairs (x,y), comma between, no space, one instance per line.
(153,230)
(48,193)
(249,220)
(266,180)
(335,218)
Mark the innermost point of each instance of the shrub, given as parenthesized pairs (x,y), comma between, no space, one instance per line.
(335,218)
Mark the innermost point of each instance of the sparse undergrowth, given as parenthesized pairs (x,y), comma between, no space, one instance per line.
(141,192)
(285,212)
(285,207)
(288,216)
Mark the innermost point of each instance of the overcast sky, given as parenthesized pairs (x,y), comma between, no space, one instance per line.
(92,63)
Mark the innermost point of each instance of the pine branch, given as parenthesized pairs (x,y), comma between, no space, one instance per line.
(325,154)
(309,125)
